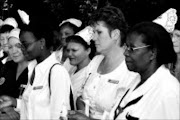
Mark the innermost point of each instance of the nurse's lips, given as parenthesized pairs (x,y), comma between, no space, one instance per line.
(128,61)
(71,58)
(16,56)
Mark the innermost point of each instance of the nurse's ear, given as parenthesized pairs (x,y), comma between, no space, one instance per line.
(42,43)
(115,34)
(153,54)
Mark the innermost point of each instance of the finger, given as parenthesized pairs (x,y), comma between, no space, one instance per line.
(4,97)
(13,115)
(71,112)
(4,117)
(5,109)
(80,111)
(5,104)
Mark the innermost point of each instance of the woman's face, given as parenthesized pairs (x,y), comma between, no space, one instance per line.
(4,41)
(102,38)
(31,45)
(176,40)
(137,60)
(65,31)
(77,53)
(15,50)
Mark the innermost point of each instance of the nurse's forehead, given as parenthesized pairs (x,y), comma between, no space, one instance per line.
(135,38)
(27,36)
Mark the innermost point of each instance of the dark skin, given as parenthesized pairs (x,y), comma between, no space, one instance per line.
(44,52)
(146,74)
(142,61)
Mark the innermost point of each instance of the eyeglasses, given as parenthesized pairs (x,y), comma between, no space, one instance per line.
(132,49)
(27,45)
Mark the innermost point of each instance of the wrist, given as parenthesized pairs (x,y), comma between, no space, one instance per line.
(14,102)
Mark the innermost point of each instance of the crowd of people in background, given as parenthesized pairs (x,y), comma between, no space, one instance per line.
(101,70)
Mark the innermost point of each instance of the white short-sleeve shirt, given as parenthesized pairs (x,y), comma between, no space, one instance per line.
(160,98)
(104,90)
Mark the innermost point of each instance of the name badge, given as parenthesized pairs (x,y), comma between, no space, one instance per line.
(37,87)
(113,81)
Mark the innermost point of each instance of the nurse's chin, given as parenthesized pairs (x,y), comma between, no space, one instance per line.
(130,66)
(73,63)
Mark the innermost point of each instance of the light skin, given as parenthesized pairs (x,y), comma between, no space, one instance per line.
(176,40)
(102,38)
(107,43)
(176,44)
(78,55)
(4,41)
(16,53)
(15,50)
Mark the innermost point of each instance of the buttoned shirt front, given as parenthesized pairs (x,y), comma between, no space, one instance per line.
(104,90)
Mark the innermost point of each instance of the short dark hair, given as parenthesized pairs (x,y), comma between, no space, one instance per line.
(157,37)
(113,18)
(6,28)
(41,29)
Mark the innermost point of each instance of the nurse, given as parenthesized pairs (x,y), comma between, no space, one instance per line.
(47,93)
(80,53)
(156,96)
(107,75)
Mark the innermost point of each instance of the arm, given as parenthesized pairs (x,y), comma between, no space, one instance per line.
(80,104)
(60,90)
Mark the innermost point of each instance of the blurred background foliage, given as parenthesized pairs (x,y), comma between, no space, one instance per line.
(134,10)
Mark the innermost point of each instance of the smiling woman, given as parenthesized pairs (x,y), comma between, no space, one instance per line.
(15,71)
(15,47)
(80,53)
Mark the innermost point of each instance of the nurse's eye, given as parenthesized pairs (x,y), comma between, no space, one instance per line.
(67,50)
(19,45)
(74,50)
(10,46)
(99,32)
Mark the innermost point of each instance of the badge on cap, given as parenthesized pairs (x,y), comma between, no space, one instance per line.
(168,19)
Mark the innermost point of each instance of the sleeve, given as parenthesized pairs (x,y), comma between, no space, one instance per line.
(60,91)
(168,108)
(171,106)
